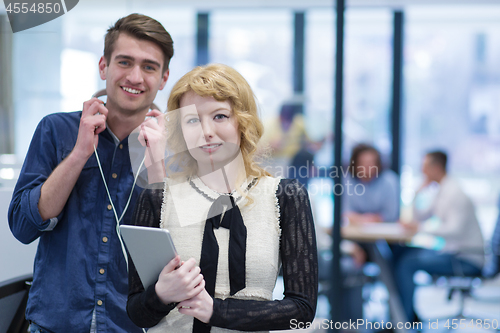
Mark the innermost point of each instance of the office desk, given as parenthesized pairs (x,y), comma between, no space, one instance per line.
(370,232)
(377,236)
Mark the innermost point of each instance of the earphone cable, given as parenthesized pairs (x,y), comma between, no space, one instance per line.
(112,204)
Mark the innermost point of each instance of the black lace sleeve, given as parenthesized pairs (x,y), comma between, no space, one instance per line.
(144,307)
(300,272)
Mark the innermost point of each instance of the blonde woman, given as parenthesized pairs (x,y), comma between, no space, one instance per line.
(233,225)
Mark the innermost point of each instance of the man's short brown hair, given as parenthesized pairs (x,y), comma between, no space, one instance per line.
(141,27)
(439,158)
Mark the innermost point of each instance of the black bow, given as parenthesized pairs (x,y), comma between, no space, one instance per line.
(223,213)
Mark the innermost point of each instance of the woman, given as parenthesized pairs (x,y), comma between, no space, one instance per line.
(231,222)
(371,193)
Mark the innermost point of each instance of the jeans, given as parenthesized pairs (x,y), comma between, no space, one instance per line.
(433,262)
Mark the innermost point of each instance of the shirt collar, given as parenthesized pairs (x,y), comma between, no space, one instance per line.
(115,138)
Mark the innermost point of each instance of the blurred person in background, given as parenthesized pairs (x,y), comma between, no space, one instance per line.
(291,150)
(371,193)
(492,260)
(451,215)
(284,136)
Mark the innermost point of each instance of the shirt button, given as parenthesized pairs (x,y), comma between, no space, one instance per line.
(114,175)
(105,239)
(99,302)
(101,271)
(110,207)
(120,146)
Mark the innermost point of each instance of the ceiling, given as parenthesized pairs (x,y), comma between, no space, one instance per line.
(208,4)
(99,5)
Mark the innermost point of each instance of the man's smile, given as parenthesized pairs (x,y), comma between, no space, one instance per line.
(132,90)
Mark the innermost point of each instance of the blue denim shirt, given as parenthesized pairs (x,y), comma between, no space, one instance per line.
(79,265)
(380,196)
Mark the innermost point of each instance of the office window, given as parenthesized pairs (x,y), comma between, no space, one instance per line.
(367,79)
(452,89)
(258,44)
(319,76)
(367,89)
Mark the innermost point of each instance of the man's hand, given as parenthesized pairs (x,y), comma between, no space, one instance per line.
(411,226)
(178,284)
(357,218)
(201,307)
(354,250)
(57,188)
(425,183)
(153,136)
(91,124)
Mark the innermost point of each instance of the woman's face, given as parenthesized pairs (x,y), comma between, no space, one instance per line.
(210,130)
(367,165)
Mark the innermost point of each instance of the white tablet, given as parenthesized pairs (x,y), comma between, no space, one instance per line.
(151,249)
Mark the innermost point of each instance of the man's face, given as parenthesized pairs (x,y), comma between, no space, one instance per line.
(428,168)
(133,75)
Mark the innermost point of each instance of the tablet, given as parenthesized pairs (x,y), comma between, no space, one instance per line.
(151,249)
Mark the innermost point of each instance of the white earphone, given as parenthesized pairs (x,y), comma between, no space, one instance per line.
(124,251)
(118,220)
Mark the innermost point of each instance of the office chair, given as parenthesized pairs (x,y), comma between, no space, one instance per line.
(465,285)
(13,299)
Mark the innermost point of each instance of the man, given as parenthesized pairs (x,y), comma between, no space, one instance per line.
(451,216)
(80,279)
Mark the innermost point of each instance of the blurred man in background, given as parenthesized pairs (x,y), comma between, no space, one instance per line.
(450,215)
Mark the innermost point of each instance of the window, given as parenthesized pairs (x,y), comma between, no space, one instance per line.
(452,89)
(258,44)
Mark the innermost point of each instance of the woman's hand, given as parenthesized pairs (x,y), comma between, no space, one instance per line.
(178,284)
(201,306)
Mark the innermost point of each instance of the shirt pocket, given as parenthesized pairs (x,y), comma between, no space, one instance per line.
(88,189)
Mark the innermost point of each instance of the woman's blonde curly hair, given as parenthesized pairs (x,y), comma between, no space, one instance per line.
(224,84)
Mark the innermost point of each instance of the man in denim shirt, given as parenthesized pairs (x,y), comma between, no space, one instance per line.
(80,274)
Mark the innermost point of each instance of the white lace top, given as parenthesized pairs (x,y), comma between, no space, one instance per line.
(186,225)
